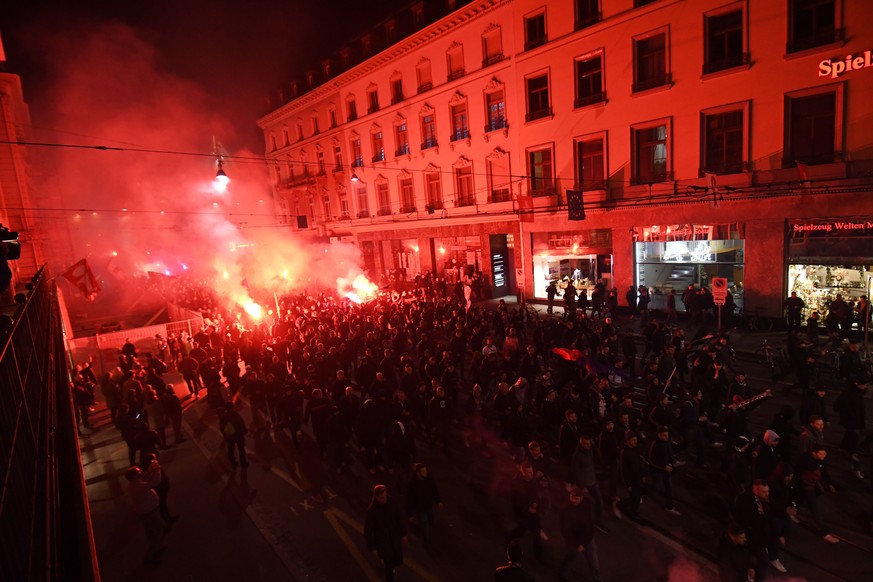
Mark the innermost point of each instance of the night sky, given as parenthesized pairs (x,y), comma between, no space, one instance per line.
(239,53)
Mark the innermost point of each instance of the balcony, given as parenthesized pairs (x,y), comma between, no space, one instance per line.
(818,38)
(492,60)
(542,190)
(501,195)
(403,150)
(538,114)
(424,87)
(433,206)
(726,167)
(456,74)
(358,163)
(384,211)
(495,124)
(407,209)
(379,157)
(338,168)
(345,216)
(589,100)
(363,214)
(460,134)
(654,178)
(653,82)
(728,62)
(466,201)
(429,143)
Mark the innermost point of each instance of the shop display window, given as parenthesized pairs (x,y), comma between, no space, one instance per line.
(818,285)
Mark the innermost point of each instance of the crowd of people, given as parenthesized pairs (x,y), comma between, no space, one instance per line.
(592,424)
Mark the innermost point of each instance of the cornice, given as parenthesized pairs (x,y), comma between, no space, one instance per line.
(422,38)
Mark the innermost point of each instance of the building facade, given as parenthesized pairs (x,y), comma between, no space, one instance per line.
(705,139)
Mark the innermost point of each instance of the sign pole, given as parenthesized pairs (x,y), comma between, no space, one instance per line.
(719,317)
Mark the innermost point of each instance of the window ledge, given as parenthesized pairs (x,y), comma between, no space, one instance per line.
(657,89)
(592,105)
(724,72)
(831,46)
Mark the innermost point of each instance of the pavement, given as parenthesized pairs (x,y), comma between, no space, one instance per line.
(289,516)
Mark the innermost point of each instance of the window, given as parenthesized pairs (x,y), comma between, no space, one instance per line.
(591,163)
(650,153)
(455,60)
(422,73)
(407,194)
(315,130)
(434,191)
(372,101)
(345,212)
(724,41)
(286,139)
(396,91)
(538,98)
(325,202)
(492,47)
(319,160)
(589,81)
(464,186)
(496,111)
(428,131)
(811,121)
(273,146)
(299,131)
(638,3)
(534,31)
(363,202)
(378,146)
(332,115)
(812,23)
(723,141)
(384,198)
(499,178)
(353,109)
(650,62)
(587,13)
(540,169)
(460,130)
(337,158)
(401,136)
(357,155)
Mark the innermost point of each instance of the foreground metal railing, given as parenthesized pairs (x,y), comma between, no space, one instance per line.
(45,523)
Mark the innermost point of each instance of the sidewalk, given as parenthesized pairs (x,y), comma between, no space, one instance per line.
(213,518)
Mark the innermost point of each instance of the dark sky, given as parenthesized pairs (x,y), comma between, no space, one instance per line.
(238,52)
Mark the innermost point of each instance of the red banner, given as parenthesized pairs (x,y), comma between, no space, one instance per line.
(82,277)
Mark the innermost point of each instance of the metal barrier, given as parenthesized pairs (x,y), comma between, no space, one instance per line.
(44,518)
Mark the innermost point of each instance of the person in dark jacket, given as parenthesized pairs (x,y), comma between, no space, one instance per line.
(813,404)
(734,559)
(421,498)
(525,497)
(632,474)
(752,511)
(385,530)
(318,412)
(568,436)
(662,460)
(512,570)
(577,527)
(234,429)
(851,407)
(811,476)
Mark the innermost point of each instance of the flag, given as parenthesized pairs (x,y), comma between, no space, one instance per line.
(804,173)
(575,205)
(82,277)
(115,270)
(571,355)
(525,208)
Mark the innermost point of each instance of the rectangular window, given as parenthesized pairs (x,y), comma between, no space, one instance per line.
(422,72)
(383,198)
(499,179)
(363,202)
(538,98)
(492,48)
(455,59)
(357,154)
(319,159)
(434,191)
(332,114)
(396,91)
(401,136)
(589,81)
(337,158)
(496,111)
(407,195)
(534,31)
(353,110)
(650,62)
(428,132)
(812,23)
(460,130)
(590,164)
(812,122)
(315,129)
(285,137)
(541,172)
(464,186)
(273,146)
(372,101)
(325,201)
(345,212)
(650,154)
(587,13)
(724,42)
(378,147)
(299,131)
(723,142)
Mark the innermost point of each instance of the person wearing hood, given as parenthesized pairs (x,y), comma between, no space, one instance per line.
(783,426)
(765,456)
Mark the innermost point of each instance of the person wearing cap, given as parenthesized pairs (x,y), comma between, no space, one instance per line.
(577,528)
(385,530)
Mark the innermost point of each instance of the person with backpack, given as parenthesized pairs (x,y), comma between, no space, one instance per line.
(234,430)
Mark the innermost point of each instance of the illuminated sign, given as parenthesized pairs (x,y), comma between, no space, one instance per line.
(831,228)
(499,268)
(833,69)
(693,252)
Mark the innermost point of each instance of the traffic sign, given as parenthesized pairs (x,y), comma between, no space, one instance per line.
(719,290)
